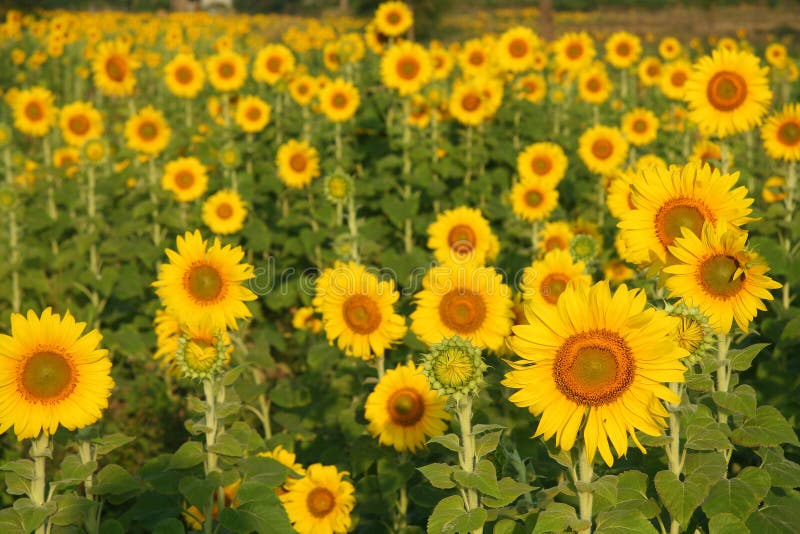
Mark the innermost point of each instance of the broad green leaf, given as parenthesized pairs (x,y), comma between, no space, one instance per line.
(170,525)
(767,429)
(264,470)
(227,445)
(741,359)
(605,493)
(11,522)
(23,468)
(739,496)
(112,526)
(780,514)
(483,479)
(480,428)
(704,433)
(558,517)
(259,511)
(783,473)
(106,444)
(726,524)
(741,400)
(114,480)
(448,441)
(468,522)
(510,490)
(72,509)
(74,471)
(623,522)
(16,485)
(504,526)
(487,443)
(198,491)
(709,465)
(681,498)
(439,475)
(188,455)
(33,516)
(392,475)
(448,509)
(632,494)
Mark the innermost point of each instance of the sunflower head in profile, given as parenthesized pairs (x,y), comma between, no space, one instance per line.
(693,333)
(781,134)
(147,131)
(515,49)
(596,362)
(273,63)
(339,100)
(203,282)
(227,71)
(462,235)
(545,280)
(321,501)
(114,68)
(224,212)
(52,375)
(640,126)
(298,163)
(304,318)
(184,76)
(393,19)
(79,122)
(252,114)
(406,67)
(534,199)
(603,149)
(403,411)
(203,350)
(186,178)
(623,49)
(34,111)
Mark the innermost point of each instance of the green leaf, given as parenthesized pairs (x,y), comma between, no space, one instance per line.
(259,511)
(169,526)
(288,394)
(739,496)
(106,444)
(558,517)
(472,520)
(681,498)
(23,468)
(704,433)
(604,490)
(632,494)
(233,374)
(767,429)
(623,522)
(510,490)
(741,359)
(16,485)
(114,480)
(188,455)
(726,524)
(480,429)
(392,475)
(483,479)
(781,514)
(112,526)
(264,470)
(504,526)
(31,515)
(741,400)
(439,475)
(448,441)
(227,445)
(487,443)
(198,491)
(783,473)
(72,509)
(11,522)
(712,466)
(73,471)
(448,509)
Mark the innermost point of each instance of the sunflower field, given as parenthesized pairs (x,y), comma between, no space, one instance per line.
(276,274)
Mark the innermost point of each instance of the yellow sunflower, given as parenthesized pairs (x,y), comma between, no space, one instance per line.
(668,200)
(472,302)
(403,411)
(776,55)
(462,235)
(51,375)
(330,56)
(534,199)
(669,48)
(649,160)
(781,134)
(674,77)
(114,66)
(201,342)
(358,310)
(594,86)
(531,87)
(442,62)
(374,39)
(555,236)
(475,56)
(515,49)
(147,131)
(67,158)
(298,163)
(80,121)
(406,67)
(304,319)
(302,88)
(273,63)
(619,194)
(34,111)
(393,19)
(468,104)
(419,112)
(649,71)
(709,152)
(773,189)
(184,76)
(203,283)
(545,280)
(616,271)
(623,49)
(339,100)
(602,149)
(545,161)
(224,212)
(186,178)
(573,51)
(320,502)
(727,93)
(640,126)
(718,275)
(596,362)
(227,71)
(252,114)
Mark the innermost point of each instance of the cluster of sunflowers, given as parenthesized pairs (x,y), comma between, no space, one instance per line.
(338,147)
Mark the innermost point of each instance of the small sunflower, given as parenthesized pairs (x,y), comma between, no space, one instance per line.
(95,151)
(406,67)
(532,87)
(442,62)
(393,19)
(184,76)
(674,77)
(640,126)
(79,122)
(773,189)
(515,49)
(114,66)
(602,149)
(708,152)
(776,55)
(462,235)
(320,502)
(273,63)
(618,199)
(649,71)
(534,199)
(227,71)
(545,280)
(252,114)
(339,100)
(147,131)
(298,163)
(305,319)
(186,178)
(781,134)
(455,368)
(555,236)
(468,104)
(669,48)
(594,86)
(338,187)
(302,88)
(574,51)
(67,158)
(623,49)
(224,212)
(34,111)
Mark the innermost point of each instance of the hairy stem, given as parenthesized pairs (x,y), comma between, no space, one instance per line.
(40,451)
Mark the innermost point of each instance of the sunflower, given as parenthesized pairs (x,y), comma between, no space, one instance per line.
(302,88)
(674,77)
(419,113)
(717,274)
(596,362)
(201,342)
(468,104)
(649,71)
(555,236)
(67,158)
(330,57)
(781,134)
(475,56)
(288,459)
(640,126)
(623,49)
(339,100)
(472,302)
(51,375)
(728,93)
(617,271)
(776,55)
(534,199)
(80,121)
(594,86)
(442,62)
(515,49)
(305,319)
(573,51)
(204,283)
(114,66)
(618,199)
(545,280)
(374,39)
(602,149)
(298,163)
(147,131)
(403,411)
(393,19)
(320,502)
(668,200)
(406,67)
(227,71)
(709,152)
(273,63)
(252,114)
(224,212)
(531,87)
(186,178)
(358,310)
(545,161)
(184,76)
(773,189)
(194,517)
(462,235)
(649,160)
(669,48)
(34,112)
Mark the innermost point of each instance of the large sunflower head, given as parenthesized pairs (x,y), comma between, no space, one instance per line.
(339,100)
(393,19)
(186,178)
(79,122)
(468,103)
(34,111)
(594,365)
(475,57)
(273,63)
(51,375)
(534,199)
(147,131)
(114,67)
(184,76)
(302,88)
(781,134)
(320,501)
(406,67)
(227,71)
(252,114)
(545,280)
(298,163)
(603,149)
(462,235)
(224,212)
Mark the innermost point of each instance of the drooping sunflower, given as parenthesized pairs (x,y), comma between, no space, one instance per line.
(114,66)
(674,77)
(468,104)
(717,274)
(403,411)
(602,149)
(358,310)
(555,236)
(186,178)
(273,63)
(227,71)
(574,51)
(80,121)
(623,49)
(594,86)
(640,126)
(668,200)
(34,111)
(597,362)
(462,235)
(201,342)
(147,131)
(531,87)
(781,134)
(374,39)
(472,302)
(649,71)
(203,283)
(727,93)
(534,199)
(545,280)
(339,100)
(224,212)
(252,114)
(515,49)
(302,88)
(320,502)
(669,48)
(184,76)
(406,67)
(393,19)
(51,375)
(545,161)
(298,163)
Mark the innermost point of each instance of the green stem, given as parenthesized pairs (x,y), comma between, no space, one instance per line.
(435,155)
(789,204)
(13,236)
(153,183)
(249,142)
(515,140)
(585,497)
(91,211)
(468,159)
(467,455)
(534,238)
(314,227)
(380,366)
(40,451)
(723,370)
(52,209)
(212,431)
(352,224)
(307,122)
(188,113)
(673,448)
(408,238)
(339,144)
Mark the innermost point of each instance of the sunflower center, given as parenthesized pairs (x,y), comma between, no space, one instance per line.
(184,179)
(47,376)
(34,111)
(533,198)
(393,18)
(574,50)
(79,125)
(337,188)
(274,64)
(361,314)
(476,58)
(461,238)
(184,75)
(593,85)
(717,276)
(678,78)
(253,113)
(593,368)
(203,282)
(224,211)
(789,133)
(339,101)
(406,407)
(623,49)
(639,126)
(303,89)
(408,68)
(680,213)
(653,70)
(298,162)
(554,243)
(541,165)
(320,502)
(552,286)
(116,68)
(517,48)
(530,86)
(727,90)
(461,311)
(471,102)
(148,131)
(602,149)
(226,70)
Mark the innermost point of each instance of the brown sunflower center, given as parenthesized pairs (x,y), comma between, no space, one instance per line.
(184,75)
(406,407)
(34,111)
(574,50)
(470,102)
(727,90)
(303,89)
(461,238)
(393,17)
(716,275)
(533,198)
(462,311)
(184,179)
(320,502)
(653,69)
(789,133)
(203,282)
(593,85)
(623,49)
(678,213)
(476,58)
(274,64)
(224,211)
(361,314)
(79,124)
(640,126)
(438,61)
(541,165)
(116,68)
(298,162)
(148,130)
(552,286)
(226,70)
(593,368)
(678,78)
(602,149)
(517,48)
(408,68)
(339,100)
(47,376)
(253,113)
(530,86)
(555,243)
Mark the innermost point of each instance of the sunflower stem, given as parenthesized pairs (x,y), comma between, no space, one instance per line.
(789,204)
(723,371)
(673,449)
(467,455)
(435,155)
(352,224)
(534,238)
(314,227)
(13,236)
(306,124)
(153,182)
(585,496)
(40,451)
(52,209)
(380,366)
(408,238)
(339,144)
(468,159)
(91,211)
(249,165)
(213,398)
(515,139)
(595,115)
(188,113)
